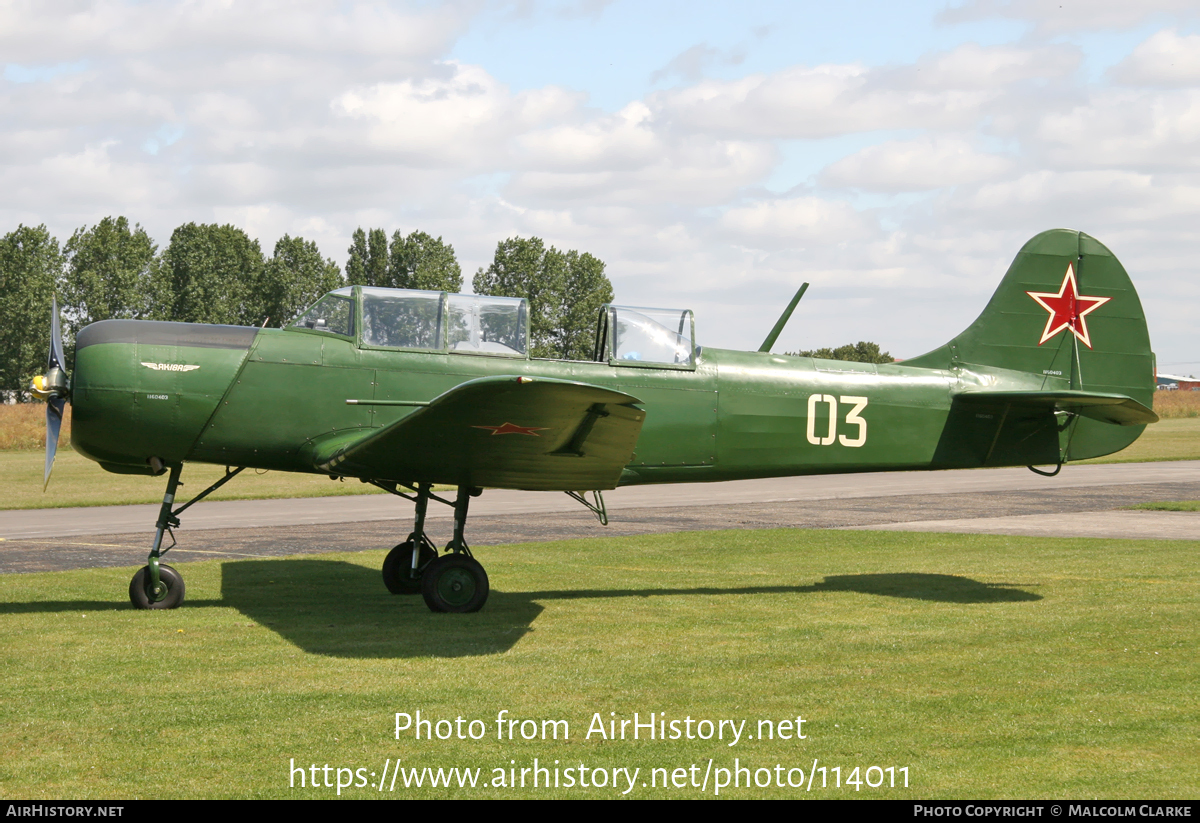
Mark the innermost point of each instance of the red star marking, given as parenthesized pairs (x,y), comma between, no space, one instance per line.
(510,428)
(1067,309)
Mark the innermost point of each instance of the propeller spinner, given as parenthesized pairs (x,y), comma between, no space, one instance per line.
(53,387)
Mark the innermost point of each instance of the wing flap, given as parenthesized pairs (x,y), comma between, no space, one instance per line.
(499,432)
(1117,409)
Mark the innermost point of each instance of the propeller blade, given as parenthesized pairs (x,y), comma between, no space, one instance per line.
(54,418)
(55,403)
(56,348)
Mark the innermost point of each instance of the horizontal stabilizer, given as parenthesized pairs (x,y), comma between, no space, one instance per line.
(1107,408)
(508,432)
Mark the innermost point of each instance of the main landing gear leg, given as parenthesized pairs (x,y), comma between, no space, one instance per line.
(455,582)
(406,563)
(157,585)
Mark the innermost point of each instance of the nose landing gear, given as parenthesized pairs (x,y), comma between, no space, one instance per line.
(157,585)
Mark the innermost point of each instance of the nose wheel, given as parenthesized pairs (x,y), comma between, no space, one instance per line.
(157,585)
(167,594)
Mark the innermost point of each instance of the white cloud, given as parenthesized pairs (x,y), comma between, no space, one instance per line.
(625,140)
(1108,196)
(1056,18)
(971,66)
(948,90)
(466,119)
(1165,59)
(795,222)
(1124,130)
(926,163)
(97,29)
(651,168)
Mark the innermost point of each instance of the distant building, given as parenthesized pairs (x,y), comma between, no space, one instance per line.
(1170,382)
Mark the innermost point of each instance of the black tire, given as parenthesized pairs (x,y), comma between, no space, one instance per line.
(397,568)
(168,576)
(455,583)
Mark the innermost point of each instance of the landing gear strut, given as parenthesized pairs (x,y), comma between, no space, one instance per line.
(405,564)
(157,585)
(453,582)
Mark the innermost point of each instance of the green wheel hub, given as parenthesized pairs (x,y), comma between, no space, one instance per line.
(454,583)
(456,587)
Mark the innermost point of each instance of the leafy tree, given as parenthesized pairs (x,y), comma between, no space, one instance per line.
(356,264)
(293,279)
(586,289)
(368,262)
(377,258)
(861,352)
(31,268)
(421,262)
(519,268)
(108,273)
(564,289)
(210,274)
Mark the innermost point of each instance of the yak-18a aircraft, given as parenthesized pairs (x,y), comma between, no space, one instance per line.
(407,389)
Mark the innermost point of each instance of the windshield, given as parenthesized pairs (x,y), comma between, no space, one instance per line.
(333,313)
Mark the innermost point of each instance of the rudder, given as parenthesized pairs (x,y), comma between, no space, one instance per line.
(1065,316)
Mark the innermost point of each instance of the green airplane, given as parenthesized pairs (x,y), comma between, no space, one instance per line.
(407,389)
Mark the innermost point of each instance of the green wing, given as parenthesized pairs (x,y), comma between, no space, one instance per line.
(499,432)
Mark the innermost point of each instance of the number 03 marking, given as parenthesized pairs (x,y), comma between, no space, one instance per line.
(831,435)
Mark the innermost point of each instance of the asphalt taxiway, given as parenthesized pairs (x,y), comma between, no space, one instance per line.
(1082,501)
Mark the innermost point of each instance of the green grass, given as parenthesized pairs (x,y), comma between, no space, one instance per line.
(77,481)
(1173,439)
(1169,506)
(990,666)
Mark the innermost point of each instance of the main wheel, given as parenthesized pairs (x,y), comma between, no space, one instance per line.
(168,577)
(397,568)
(454,583)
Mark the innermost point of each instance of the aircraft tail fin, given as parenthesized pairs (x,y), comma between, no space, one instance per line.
(1066,318)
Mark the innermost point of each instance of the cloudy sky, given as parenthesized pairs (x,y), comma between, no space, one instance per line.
(714,155)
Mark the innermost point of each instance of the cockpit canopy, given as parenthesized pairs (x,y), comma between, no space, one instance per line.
(478,324)
(631,336)
(432,320)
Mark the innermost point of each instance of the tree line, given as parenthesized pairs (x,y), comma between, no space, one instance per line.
(212,273)
(861,352)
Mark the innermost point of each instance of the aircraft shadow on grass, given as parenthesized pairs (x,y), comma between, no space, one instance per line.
(305,601)
(318,605)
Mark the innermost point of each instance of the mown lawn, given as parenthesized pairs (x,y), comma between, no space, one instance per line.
(77,481)
(987,666)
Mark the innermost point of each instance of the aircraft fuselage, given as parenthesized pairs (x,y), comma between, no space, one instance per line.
(255,398)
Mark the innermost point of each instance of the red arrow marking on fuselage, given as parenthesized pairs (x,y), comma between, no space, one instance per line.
(511,428)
